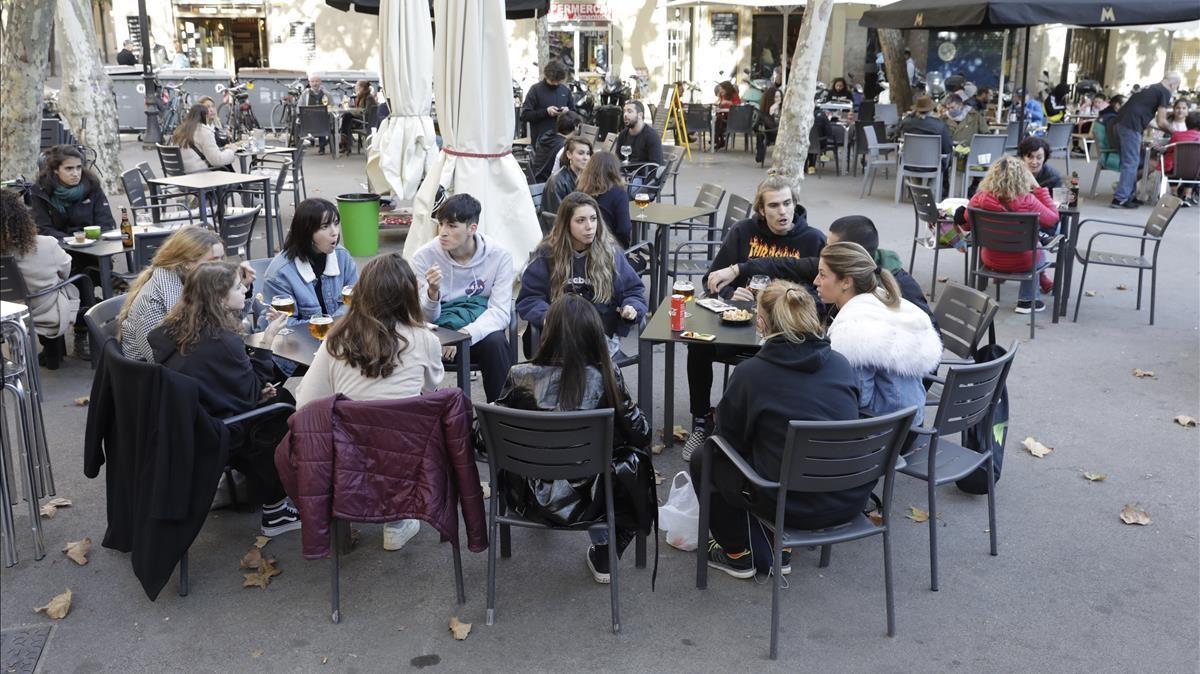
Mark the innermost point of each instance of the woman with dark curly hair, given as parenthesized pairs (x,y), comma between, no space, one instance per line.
(43,264)
(67,197)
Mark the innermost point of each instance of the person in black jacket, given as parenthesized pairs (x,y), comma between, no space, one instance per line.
(547,100)
(853,228)
(67,197)
(199,338)
(796,375)
(543,163)
(644,144)
(776,229)
(126,57)
(1035,152)
(572,371)
(575,155)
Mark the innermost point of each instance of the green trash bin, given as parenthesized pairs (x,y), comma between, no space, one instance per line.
(360,223)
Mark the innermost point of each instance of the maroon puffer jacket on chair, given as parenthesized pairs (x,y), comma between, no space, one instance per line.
(383,461)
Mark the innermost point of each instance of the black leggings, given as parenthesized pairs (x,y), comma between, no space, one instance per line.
(700,360)
(252,452)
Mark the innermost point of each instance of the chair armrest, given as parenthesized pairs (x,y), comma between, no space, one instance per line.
(1052,243)
(740,463)
(88,286)
(1139,237)
(152,207)
(1080,224)
(257,412)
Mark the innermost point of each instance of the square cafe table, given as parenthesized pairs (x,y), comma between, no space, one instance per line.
(300,347)
(203,182)
(658,331)
(664,216)
(102,251)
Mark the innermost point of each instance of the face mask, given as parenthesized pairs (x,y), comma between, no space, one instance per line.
(959,114)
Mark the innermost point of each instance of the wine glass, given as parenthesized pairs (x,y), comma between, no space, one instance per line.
(626,151)
(642,200)
(284,305)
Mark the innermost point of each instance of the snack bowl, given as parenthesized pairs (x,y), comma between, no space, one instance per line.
(737,317)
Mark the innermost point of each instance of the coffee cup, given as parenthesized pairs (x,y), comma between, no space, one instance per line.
(80,236)
(92,232)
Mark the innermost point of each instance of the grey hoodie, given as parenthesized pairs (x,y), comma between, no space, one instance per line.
(489,273)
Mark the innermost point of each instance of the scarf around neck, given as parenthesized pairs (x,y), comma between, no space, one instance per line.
(64,196)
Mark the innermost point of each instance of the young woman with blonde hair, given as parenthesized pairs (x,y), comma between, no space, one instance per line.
(796,375)
(581,256)
(888,340)
(200,338)
(380,350)
(1010,187)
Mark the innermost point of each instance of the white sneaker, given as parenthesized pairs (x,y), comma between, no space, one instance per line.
(396,534)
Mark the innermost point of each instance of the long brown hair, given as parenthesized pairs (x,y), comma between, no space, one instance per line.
(185,133)
(52,158)
(602,173)
(182,249)
(384,296)
(201,311)
(18,232)
(850,260)
(600,257)
(573,339)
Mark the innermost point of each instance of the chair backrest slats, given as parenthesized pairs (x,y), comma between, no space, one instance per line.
(824,456)
(170,157)
(921,151)
(924,207)
(135,188)
(236,228)
(963,315)
(101,319)
(1164,211)
(145,245)
(314,121)
(1003,232)
(741,119)
(710,196)
(547,445)
(12,283)
(969,392)
(1187,162)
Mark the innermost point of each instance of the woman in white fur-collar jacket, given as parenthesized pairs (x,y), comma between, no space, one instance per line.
(888,340)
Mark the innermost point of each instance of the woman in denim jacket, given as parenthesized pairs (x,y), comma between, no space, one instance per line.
(887,339)
(312,268)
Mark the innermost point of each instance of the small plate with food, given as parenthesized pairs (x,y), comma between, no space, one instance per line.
(737,317)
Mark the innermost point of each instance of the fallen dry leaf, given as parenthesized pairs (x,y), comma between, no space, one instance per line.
(260,542)
(1091,476)
(459,629)
(77,550)
(876,518)
(252,559)
(1142,374)
(58,607)
(261,577)
(657,448)
(658,477)
(1089,293)
(1036,448)
(916,514)
(487,489)
(325,659)
(1132,515)
(1185,421)
(679,433)
(1122,286)
(256,653)
(50,508)
(82,402)
(943,279)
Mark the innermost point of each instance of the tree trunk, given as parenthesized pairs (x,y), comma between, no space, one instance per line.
(543,44)
(796,114)
(87,100)
(24,60)
(899,88)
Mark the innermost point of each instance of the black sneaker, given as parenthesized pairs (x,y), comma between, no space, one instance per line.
(597,563)
(83,347)
(1024,306)
(787,561)
(739,565)
(1122,204)
(280,519)
(701,426)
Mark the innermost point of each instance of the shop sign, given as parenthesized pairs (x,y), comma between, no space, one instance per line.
(577,11)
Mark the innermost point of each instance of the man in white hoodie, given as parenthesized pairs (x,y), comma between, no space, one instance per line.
(466,283)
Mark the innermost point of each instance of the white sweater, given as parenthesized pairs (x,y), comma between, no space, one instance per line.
(419,371)
(206,154)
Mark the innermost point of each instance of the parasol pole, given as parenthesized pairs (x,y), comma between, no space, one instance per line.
(1000,89)
(1024,87)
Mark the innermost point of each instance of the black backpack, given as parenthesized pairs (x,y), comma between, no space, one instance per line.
(991,431)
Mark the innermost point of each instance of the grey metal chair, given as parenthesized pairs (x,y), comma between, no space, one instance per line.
(928,219)
(708,196)
(1005,233)
(237,228)
(693,257)
(1186,170)
(145,246)
(1152,233)
(536,190)
(698,118)
(548,446)
(739,121)
(819,456)
(1058,137)
(14,289)
(876,157)
(969,396)
(314,121)
(673,157)
(985,149)
(963,316)
(170,157)
(1012,136)
(165,209)
(920,158)
(101,321)
(888,114)
(589,132)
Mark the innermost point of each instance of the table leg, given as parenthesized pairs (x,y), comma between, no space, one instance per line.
(202,195)
(646,380)
(106,288)
(669,395)
(267,208)
(661,235)
(1067,250)
(334,137)
(464,367)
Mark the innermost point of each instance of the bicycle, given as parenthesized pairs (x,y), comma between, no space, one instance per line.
(285,114)
(235,112)
(173,102)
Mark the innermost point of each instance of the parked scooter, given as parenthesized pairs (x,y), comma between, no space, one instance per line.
(585,102)
(755,88)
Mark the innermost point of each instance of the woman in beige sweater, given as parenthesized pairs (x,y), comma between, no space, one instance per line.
(198,143)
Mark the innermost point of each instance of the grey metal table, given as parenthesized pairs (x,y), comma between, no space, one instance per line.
(300,347)
(102,251)
(664,216)
(658,331)
(204,182)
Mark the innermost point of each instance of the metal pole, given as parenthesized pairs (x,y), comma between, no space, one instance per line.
(1000,89)
(1066,64)
(1024,87)
(153,134)
(784,48)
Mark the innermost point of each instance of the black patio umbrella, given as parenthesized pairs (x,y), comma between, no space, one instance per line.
(513,9)
(1001,14)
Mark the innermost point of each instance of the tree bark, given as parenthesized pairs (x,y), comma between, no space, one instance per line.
(88,101)
(543,44)
(24,59)
(899,88)
(796,113)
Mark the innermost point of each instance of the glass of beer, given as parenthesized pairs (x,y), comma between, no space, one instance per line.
(284,305)
(318,325)
(687,289)
(758,283)
(347,293)
(642,200)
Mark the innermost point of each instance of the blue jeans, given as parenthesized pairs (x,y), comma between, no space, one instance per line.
(1029,289)
(1130,143)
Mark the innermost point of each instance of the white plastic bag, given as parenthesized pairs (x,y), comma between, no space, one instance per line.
(679,517)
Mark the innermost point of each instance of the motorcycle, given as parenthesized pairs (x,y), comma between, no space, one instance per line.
(585,102)
(755,89)
(614,91)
